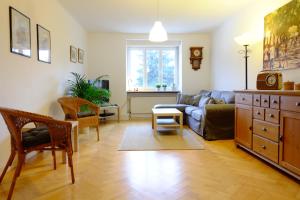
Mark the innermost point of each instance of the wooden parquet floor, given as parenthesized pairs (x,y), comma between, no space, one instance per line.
(221,171)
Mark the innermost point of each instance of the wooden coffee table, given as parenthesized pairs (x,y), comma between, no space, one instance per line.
(169,121)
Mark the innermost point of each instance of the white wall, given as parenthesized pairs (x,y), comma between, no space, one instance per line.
(228,68)
(26,83)
(107,55)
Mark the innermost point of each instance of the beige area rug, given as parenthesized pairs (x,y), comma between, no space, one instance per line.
(142,138)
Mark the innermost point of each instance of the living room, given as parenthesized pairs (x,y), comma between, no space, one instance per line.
(104,35)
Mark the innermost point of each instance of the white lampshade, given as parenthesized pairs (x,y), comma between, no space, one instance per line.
(245,39)
(158,33)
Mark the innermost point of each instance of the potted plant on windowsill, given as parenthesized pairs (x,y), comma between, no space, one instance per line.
(164,86)
(158,87)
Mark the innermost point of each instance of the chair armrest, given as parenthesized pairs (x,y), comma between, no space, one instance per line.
(219,110)
(69,111)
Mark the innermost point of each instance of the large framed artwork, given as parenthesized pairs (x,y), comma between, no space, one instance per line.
(282,38)
(43,44)
(20,38)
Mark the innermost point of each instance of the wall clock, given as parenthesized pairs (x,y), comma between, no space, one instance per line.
(196,57)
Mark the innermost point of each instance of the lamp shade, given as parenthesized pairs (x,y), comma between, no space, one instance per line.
(158,33)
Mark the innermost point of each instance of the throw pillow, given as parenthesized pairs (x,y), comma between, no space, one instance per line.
(203,101)
(219,101)
(185,99)
(196,99)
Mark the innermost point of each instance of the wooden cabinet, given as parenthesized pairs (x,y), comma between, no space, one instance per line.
(290,141)
(243,125)
(267,124)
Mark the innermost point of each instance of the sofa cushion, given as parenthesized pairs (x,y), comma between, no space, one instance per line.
(189,109)
(180,107)
(216,94)
(205,93)
(203,101)
(36,136)
(228,97)
(184,99)
(195,100)
(197,114)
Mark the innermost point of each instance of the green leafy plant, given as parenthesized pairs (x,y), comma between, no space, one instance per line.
(164,85)
(81,87)
(158,86)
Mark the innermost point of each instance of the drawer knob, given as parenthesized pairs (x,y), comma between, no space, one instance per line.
(257,100)
(258,113)
(264,129)
(263,147)
(250,128)
(297,103)
(265,101)
(281,137)
(243,99)
(271,115)
(275,102)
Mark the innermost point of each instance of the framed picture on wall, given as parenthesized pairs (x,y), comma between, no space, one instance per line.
(43,44)
(73,54)
(20,37)
(80,56)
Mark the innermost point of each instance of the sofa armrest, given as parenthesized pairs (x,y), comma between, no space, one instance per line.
(218,111)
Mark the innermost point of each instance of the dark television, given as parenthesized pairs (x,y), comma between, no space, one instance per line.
(104,84)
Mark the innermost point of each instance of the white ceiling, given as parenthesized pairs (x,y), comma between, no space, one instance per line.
(138,16)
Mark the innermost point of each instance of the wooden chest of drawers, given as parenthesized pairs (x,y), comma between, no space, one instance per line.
(267,124)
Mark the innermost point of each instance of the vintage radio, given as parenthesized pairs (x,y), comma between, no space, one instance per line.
(269,80)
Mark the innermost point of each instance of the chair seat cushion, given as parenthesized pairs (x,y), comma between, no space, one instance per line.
(197,114)
(85,114)
(36,136)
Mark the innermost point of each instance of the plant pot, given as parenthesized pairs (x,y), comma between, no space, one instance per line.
(158,89)
(165,88)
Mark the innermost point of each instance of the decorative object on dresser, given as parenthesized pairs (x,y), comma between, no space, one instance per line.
(196,57)
(43,44)
(281,40)
(288,85)
(274,135)
(245,40)
(20,37)
(269,81)
(297,86)
(73,54)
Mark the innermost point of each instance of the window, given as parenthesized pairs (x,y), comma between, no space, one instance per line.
(148,66)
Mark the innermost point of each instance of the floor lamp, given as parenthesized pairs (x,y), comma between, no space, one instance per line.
(245,41)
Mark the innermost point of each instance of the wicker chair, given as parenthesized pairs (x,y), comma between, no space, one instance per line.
(50,134)
(71,107)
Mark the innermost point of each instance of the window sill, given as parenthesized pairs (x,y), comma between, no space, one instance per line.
(154,91)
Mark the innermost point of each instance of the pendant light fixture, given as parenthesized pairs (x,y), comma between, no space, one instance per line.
(158,33)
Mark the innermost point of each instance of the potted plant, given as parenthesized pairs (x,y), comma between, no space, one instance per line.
(81,87)
(164,86)
(158,87)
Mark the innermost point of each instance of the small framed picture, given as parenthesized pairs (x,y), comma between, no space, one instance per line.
(20,37)
(73,54)
(43,44)
(80,56)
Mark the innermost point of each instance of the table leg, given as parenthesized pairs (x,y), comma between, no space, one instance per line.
(64,156)
(155,124)
(75,132)
(152,120)
(118,110)
(181,123)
